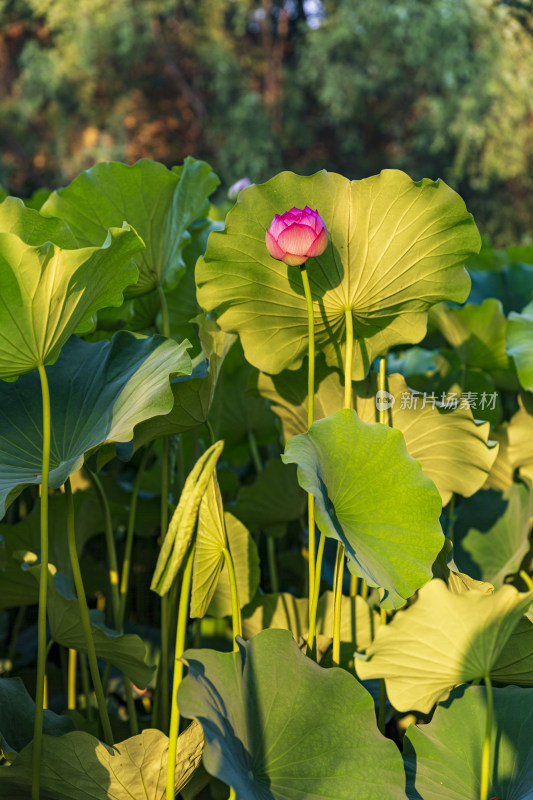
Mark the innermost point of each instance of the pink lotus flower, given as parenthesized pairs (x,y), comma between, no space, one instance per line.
(297,235)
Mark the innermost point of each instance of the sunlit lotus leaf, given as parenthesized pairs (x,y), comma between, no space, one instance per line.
(48,292)
(246,564)
(278,726)
(453,450)
(443,640)
(395,248)
(373,497)
(181,528)
(79,765)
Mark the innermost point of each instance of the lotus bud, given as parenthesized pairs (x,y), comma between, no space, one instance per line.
(297,235)
(237,187)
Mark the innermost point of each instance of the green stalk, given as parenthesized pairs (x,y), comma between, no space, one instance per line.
(314,599)
(86,688)
(165,322)
(72,657)
(348,358)
(383,418)
(109,539)
(272,566)
(85,618)
(527,580)
(337,593)
(339,562)
(126,564)
(162,672)
(310,419)
(43,589)
(179,649)
(485,757)
(235,607)
(382,709)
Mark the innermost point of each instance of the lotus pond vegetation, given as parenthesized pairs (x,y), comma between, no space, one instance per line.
(266,489)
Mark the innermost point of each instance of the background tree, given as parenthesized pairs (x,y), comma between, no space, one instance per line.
(255,86)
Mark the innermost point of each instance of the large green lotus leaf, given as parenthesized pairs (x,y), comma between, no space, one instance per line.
(80,766)
(496,550)
(33,228)
(453,450)
(246,564)
(478,335)
(17,713)
(515,664)
(125,651)
(443,758)
(358,620)
(99,392)
(443,640)
(273,499)
(279,727)
(159,203)
(395,247)
(519,337)
(373,497)
(48,293)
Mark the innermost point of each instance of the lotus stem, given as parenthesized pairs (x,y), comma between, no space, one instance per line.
(162,672)
(314,599)
(337,595)
(86,687)
(485,756)
(110,541)
(126,564)
(382,709)
(310,419)
(527,579)
(235,607)
(383,418)
(179,649)
(85,618)
(43,589)
(72,658)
